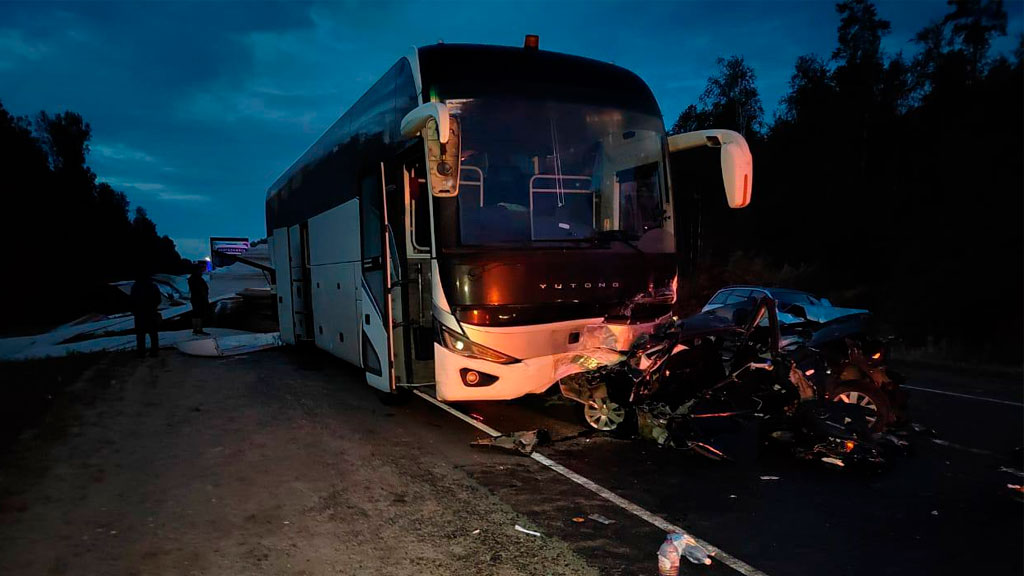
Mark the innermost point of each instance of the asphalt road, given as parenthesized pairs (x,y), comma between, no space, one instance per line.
(284,459)
(944,509)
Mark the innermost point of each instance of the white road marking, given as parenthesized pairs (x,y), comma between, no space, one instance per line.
(942,442)
(659,522)
(457,414)
(730,561)
(983,398)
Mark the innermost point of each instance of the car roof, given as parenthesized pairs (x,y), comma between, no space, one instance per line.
(765,289)
(744,286)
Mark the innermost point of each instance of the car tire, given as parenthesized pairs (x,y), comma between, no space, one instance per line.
(606,415)
(869,397)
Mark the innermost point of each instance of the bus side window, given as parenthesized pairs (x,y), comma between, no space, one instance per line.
(419,209)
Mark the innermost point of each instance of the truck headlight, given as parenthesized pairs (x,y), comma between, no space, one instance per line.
(463,346)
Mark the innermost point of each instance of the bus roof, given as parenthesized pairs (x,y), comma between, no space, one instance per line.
(450,71)
(453,71)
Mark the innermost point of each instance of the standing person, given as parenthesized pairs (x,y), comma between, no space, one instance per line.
(145,298)
(199,294)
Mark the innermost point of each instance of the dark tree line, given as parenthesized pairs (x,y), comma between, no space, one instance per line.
(63,233)
(885,182)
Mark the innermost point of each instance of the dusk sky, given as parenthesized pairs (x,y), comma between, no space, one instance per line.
(197,107)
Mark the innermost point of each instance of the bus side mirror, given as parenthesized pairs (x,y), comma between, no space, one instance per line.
(737,163)
(415,121)
(441,137)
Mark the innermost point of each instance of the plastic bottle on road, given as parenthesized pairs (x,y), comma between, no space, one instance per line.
(668,557)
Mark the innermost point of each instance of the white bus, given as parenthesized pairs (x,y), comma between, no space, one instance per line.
(480,212)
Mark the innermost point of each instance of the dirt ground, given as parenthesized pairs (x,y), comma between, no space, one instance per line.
(275,463)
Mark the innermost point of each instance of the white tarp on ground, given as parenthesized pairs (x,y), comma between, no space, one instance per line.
(118,344)
(230,345)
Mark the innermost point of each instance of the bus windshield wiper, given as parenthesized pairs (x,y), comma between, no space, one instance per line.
(617,235)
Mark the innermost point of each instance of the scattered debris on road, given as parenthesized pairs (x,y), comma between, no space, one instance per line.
(602,519)
(679,545)
(769,478)
(520,442)
(525,531)
(1013,471)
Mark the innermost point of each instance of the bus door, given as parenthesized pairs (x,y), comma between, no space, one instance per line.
(301,295)
(411,203)
(379,310)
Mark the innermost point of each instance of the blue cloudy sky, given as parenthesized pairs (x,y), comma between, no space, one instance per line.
(197,107)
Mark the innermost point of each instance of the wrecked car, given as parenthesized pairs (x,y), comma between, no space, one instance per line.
(848,358)
(794,306)
(679,384)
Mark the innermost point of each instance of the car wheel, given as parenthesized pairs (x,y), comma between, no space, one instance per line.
(606,415)
(601,413)
(873,400)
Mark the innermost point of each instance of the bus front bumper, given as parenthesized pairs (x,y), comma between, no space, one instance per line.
(495,381)
(530,376)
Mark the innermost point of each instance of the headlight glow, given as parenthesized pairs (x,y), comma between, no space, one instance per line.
(462,346)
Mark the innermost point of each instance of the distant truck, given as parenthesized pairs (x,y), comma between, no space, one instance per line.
(221,245)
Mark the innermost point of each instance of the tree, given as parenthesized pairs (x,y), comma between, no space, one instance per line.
(954,50)
(973,24)
(26,172)
(65,232)
(867,185)
(860,34)
(897,90)
(730,100)
(142,225)
(811,91)
(66,138)
(690,120)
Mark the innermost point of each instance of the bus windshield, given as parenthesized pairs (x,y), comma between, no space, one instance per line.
(540,171)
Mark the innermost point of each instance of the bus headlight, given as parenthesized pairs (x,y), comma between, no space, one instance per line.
(462,346)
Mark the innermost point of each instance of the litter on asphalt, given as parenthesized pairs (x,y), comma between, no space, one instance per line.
(525,531)
(519,442)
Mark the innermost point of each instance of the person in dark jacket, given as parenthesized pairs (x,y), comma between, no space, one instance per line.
(199,294)
(145,299)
